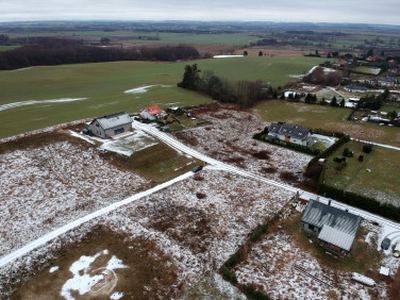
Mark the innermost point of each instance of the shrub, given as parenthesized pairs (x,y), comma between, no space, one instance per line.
(361,158)
(367,148)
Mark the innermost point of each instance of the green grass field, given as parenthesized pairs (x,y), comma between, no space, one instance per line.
(164,37)
(312,116)
(328,118)
(382,180)
(6,48)
(104,85)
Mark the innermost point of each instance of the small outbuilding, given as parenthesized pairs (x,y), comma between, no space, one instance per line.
(335,229)
(110,125)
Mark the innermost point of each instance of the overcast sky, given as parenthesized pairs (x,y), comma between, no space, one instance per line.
(336,11)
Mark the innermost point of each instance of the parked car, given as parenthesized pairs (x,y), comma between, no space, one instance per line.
(197,169)
(385,243)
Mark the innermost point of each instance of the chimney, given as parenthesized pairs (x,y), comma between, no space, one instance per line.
(329,202)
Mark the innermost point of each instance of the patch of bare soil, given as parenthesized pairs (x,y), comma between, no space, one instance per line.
(147,274)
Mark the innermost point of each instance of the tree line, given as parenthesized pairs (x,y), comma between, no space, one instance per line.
(244,93)
(52,51)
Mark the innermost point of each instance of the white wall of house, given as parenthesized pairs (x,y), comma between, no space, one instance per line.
(145,115)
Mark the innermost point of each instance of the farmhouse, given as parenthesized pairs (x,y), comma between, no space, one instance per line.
(110,125)
(335,229)
(152,113)
(290,133)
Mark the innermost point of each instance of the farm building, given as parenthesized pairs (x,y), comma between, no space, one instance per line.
(110,125)
(152,113)
(356,88)
(290,133)
(335,229)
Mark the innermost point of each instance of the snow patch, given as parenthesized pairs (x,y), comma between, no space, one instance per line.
(82,282)
(32,102)
(53,269)
(227,56)
(143,89)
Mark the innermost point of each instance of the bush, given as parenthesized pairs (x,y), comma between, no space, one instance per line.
(361,158)
(367,148)
(347,152)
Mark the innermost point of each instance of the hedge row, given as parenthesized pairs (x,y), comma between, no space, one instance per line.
(327,132)
(304,149)
(229,275)
(349,118)
(341,141)
(369,204)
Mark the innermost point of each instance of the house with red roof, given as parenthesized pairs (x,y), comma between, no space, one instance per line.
(152,113)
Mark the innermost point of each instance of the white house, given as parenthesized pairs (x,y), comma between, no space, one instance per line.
(290,133)
(110,125)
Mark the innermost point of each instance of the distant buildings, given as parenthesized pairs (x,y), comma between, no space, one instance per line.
(356,88)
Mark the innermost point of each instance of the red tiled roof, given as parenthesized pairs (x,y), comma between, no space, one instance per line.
(153,110)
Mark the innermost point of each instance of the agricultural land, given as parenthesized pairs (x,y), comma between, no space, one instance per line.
(130,218)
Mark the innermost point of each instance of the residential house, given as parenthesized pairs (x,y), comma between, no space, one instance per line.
(110,125)
(291,133)
(335,229)
(152,113)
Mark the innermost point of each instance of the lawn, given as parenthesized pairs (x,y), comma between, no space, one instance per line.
(161,163)
(103,84)
(312,116)
(375,177)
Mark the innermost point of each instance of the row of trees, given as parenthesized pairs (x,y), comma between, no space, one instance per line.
(56,52)
(243,93)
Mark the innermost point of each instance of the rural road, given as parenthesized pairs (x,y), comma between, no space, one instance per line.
(167,139)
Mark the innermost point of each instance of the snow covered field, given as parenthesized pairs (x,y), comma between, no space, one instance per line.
(229,139)
(197,222)
(44,188)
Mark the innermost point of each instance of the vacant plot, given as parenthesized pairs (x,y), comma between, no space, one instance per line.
(328,118)
(44,187)
(376,176)
(161,163)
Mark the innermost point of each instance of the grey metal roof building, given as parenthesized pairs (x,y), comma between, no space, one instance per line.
(332,225)
(110,125)
(298,132)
